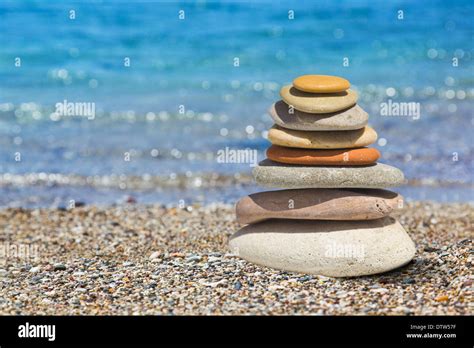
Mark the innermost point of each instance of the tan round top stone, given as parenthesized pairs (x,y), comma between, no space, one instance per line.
(322,140)
(321,84)
(318,103)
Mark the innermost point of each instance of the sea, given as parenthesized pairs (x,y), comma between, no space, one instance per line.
(169,85)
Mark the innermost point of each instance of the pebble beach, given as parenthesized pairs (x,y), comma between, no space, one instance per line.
(154,260)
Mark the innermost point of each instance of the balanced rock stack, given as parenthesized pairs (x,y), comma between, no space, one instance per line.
(332,216)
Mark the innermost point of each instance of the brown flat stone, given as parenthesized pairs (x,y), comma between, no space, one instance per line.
(337,157)
(318,204)
(321,83)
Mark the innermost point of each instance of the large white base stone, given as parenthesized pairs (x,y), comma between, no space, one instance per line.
(329,248)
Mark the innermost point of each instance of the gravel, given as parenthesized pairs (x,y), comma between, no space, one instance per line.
(141,260)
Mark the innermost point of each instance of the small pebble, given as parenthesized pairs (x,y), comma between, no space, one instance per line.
(238,285)
(59,267)
(442,298)
(408,281)
(155,255)
(193,258)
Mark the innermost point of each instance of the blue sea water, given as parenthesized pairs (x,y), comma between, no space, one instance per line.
(183,97)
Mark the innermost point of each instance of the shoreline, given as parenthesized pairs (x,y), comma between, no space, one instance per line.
(150,259)
(58,191)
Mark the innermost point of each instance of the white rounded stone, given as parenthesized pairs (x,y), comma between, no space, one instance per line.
(329,248)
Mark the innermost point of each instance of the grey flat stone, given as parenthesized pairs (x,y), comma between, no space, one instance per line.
(291,176)
(329,248)
(349,119)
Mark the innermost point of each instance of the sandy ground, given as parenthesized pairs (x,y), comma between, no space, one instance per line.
(153,260)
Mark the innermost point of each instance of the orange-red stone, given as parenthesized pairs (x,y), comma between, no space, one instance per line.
(336,157)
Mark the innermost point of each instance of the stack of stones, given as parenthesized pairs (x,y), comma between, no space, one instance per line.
(332,218)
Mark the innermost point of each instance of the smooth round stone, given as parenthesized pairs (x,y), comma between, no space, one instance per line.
(353,118)
(337,157)
(322,140)
(321,84)
(329,248)
(318,103)
(317,204)
(292,176)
